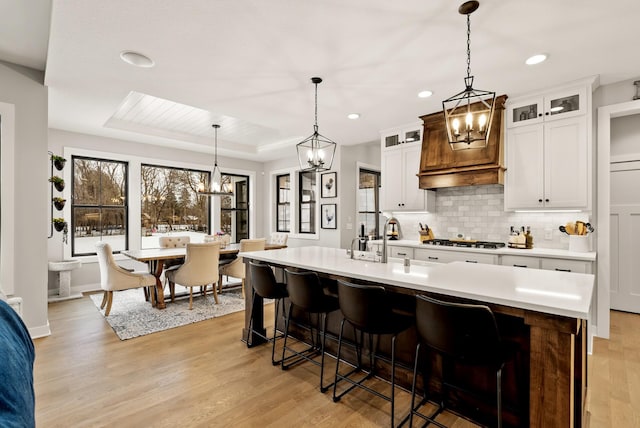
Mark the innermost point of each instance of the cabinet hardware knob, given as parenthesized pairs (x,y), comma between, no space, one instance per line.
(563,270)
(546,200)
(402,254)
(539,200)
(432,258)
(546,114)
(539,114)
(524,266)
(471,261)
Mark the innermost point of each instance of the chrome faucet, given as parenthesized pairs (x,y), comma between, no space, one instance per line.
(383,256)
(354,240)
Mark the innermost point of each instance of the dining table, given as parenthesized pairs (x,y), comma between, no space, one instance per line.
(155,258)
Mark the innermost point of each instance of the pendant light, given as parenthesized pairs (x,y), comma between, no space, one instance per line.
(316,152)
(217,186)
(468,115)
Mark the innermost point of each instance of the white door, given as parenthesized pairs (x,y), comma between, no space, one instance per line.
(625,236)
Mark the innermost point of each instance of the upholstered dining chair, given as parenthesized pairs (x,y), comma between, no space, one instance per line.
(278,238)
(236,268)
(115,278)
(200,269)
(173,242)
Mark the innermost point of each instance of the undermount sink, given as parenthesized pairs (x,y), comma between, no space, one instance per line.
(369,256)
(64,265)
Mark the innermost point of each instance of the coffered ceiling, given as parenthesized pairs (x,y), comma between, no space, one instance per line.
(247,64)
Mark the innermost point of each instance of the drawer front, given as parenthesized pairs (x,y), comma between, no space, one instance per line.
(453,256)
(401,252)
(521,261)
(566,265)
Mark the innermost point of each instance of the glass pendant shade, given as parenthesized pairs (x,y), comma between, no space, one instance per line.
(316,152)
(468,114)
(217,186)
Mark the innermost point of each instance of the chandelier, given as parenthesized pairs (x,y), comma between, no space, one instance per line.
(468,115)
(315,153)
(218,186)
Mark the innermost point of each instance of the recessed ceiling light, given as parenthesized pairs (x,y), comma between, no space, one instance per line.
(536,59)
(137,59)
(353,116)
(425,94)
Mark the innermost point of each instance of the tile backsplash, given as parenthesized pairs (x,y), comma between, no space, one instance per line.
(477,212)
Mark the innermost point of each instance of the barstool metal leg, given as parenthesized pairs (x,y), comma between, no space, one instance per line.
(499,396)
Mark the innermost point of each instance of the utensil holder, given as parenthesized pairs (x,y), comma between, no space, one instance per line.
(580,243)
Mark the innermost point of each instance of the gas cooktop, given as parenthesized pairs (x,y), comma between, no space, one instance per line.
(466,244)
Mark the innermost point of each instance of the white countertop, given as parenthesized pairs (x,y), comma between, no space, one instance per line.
(559,293)
(534,252)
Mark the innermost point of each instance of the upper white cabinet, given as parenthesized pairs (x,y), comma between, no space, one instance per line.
(548,151)
(407,134)
(401,151)
(557,105)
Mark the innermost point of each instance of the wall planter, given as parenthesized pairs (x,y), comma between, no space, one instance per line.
(58,162)
(59,224)
(57,182)
(59,203)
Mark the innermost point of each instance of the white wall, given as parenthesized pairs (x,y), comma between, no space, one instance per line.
(24,88)
(88,275)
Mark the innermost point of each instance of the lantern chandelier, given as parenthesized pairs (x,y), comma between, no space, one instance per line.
(468,115)
(217,185)
(315,153)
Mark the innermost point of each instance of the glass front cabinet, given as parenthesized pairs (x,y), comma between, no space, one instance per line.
(404,135)
(553,106)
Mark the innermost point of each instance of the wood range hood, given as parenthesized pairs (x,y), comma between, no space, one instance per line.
(442,167)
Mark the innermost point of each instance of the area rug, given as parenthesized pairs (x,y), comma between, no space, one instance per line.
(131,316)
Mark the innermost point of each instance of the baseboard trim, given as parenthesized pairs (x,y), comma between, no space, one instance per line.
(41,331)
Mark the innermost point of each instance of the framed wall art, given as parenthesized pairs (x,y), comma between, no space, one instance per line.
(329,183)
(328,214)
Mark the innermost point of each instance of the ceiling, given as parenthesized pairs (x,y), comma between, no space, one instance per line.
(247,64)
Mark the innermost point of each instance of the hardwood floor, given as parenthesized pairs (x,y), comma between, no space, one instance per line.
(202,375)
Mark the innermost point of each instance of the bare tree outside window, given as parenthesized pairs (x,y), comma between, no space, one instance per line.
(170,203)
(99,204)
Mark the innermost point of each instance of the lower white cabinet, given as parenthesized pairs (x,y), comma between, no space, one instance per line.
(439,256)
(401,252)
(560,265)
(521,261)
(563,265)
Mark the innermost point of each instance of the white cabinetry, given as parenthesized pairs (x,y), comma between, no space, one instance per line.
(401,252)
(401,150)
(549,151)
(443,256)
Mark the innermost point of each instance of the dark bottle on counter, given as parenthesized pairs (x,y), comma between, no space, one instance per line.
(529,238)
(532,113)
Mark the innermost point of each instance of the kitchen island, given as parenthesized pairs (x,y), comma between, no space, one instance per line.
(545,312)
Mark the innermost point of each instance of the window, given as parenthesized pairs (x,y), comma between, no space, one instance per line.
(307,202)
(169,202)
(99,204)
(369,203)
(234,209)
(283,213)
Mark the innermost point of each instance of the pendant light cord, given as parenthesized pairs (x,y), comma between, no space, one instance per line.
(315,127)
(469,45)
(215,160)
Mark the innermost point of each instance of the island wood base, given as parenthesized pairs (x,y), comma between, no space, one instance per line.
(545,387)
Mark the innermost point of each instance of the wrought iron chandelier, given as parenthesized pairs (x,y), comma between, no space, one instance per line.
(315,153)
(217,185)
(468,115)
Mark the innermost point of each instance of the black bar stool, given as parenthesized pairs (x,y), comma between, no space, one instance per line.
(307,293)
(368,309)
(264,284)
(465,333)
